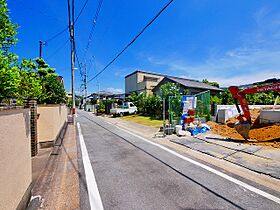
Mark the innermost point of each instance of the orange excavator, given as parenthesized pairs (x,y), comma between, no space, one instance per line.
(244,124)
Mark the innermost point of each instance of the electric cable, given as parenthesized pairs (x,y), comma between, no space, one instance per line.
(57,50)
(93,26)
(81,11)
(65,29)
(78,60)
(131,42)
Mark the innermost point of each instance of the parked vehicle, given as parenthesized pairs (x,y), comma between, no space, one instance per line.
(126,108)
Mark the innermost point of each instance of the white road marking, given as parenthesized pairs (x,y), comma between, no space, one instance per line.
(221,174)
(93,193)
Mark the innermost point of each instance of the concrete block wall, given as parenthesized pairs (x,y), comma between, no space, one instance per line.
(270,116)
(50,122)
(224,112)
(15,157)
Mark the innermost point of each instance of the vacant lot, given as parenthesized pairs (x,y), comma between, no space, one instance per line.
(144,120)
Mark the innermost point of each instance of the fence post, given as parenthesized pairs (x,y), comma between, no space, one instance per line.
(32,104)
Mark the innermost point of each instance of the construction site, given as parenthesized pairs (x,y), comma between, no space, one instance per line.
(261,133)
(241,122)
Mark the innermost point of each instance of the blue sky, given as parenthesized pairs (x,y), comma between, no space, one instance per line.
(230,42)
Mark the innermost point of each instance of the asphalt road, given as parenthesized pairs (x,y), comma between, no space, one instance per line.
(132,173)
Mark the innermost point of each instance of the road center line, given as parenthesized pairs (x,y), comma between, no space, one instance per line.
(221,174)
(93,193)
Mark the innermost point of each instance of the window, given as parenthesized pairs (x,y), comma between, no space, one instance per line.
(152,79)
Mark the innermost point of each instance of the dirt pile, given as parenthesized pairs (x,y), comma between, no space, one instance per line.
(260,134)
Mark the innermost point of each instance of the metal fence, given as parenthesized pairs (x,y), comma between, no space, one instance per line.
(202,106)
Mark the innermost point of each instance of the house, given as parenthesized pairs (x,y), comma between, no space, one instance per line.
(103,95)
(141,81)
(148,82)
(188,86)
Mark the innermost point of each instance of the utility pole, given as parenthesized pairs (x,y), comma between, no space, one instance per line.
(40,49)
(72,40)
(85,82)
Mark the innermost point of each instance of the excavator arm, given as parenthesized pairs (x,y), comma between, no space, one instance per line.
(238,95)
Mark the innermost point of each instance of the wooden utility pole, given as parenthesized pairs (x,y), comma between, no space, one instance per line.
(85,81)
(72,68)
(40,49)
(71,31)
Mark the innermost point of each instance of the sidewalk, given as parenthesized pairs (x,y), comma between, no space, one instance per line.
(263,160)
(57,186)
(256,158)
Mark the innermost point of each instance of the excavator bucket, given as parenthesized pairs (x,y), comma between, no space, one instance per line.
(243,129)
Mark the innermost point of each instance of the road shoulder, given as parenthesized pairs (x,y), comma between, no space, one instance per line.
(57,186)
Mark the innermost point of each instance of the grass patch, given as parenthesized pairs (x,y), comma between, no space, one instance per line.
(144,120)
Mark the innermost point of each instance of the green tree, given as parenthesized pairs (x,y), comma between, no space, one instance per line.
(7,29)
(101,107)
(169,89)
(9,78)
(24,79)
(152,105)
(53,91)
(138,99)
(9,75)
(215,100)
(30,84)
(170,92)
(211,83)
(226,97)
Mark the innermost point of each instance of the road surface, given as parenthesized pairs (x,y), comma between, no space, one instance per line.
(120,170)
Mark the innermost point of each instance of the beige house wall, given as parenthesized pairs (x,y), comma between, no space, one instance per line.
(136,82)
(15,157)
(131,84)
(50,122)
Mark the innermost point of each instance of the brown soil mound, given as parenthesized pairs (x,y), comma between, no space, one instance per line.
(260,134)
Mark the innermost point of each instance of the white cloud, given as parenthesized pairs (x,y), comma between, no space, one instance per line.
(244,79)
(257,58)
(115,90)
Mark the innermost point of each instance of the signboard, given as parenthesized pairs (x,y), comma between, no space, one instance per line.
(188,102)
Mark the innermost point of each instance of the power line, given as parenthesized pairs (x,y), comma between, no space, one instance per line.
(93,26)
(78,60)
(65,29)
(56,35)
(58,49)
(81,11)
(133,40)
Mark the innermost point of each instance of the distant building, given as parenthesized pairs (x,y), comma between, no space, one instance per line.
(103,95)
(191,87)
(60,78)
(147,82)
(141,81)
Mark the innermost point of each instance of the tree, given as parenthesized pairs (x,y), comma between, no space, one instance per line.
(53,91)
(169,89)
(267,98)
(152,105)
(9,75)
(211,83)
(170,92)
(24,79)
(30,83)
(9,79)
(7,28)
